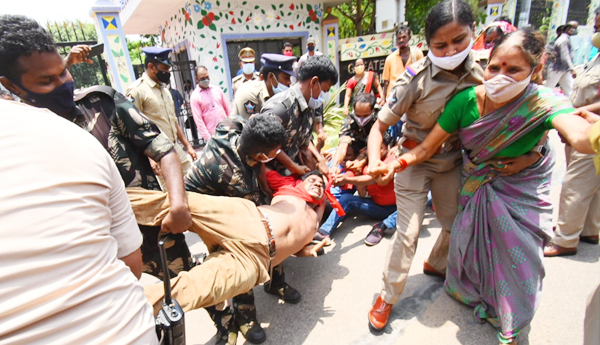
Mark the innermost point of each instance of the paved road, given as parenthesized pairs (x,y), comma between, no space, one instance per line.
(339,287)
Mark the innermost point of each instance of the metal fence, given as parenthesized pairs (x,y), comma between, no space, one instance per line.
(68,35)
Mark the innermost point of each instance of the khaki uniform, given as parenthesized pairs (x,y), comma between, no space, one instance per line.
(394,67)
(580,195)
(421,93)
(239,80)
(235,235)
(249,98)
(154,100)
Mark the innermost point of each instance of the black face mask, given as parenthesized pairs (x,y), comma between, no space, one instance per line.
(59,101)
(164,77)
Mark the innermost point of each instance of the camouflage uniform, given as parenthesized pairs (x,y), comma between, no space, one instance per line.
(359,134)
(130,138)
(297,119)
(222,169)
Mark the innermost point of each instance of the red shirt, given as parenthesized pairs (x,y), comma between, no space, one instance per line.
(383,195)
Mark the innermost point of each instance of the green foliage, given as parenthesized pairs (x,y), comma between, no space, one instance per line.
(135,47)
(417,11)
(333,116)
(72,31)
(357,18)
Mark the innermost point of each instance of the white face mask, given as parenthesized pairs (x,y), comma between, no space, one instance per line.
(450,63)
(279,88)
(502,88)
(316,103)
(248,68)
(204,83)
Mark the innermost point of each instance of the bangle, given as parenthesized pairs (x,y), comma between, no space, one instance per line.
(403,165)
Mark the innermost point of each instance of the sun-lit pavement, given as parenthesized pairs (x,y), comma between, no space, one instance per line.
(339,287)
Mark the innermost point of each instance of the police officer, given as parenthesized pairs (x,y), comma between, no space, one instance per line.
(152,97)
(247,70)
(300,108)
(578,216)
(276,72)
(231,165)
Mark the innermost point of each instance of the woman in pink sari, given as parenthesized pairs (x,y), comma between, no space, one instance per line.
(495,257)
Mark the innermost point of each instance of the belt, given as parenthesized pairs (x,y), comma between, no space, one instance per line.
(269,229)
(445,148)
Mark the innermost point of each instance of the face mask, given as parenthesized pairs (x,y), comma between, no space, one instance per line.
(288,53)
(575,32)
(268,159)
(596,40)
(59,101)
(502,88)
(164,77)
(279,88)
(359,69)
(450,63)
(204,83)
(248,68)
(316,103)
(310,48)
(362,121)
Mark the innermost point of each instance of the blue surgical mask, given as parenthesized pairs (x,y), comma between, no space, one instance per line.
(310,48)
(248,68)
(316,103)
(59,101)
(279,88)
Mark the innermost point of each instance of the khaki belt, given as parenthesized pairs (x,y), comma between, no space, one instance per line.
(445,148)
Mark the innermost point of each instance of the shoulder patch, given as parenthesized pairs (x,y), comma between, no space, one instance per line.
(410,71)
(250,107)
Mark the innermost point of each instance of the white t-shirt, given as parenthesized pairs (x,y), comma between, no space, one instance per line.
(64,220)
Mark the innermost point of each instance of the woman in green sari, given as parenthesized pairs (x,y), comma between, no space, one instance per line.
(495,261)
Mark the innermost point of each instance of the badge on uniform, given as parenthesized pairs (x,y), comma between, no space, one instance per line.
(250,107)
(391,100)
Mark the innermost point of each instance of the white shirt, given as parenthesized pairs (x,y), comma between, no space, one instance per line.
(65,219)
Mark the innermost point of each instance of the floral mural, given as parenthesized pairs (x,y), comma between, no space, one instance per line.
(202,22)
(370,46)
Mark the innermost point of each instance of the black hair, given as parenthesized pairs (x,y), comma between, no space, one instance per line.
(309,174)
(403,28)
(287,44)
(262,134)
(318,66)
(530,42)
(264,71)
(560,29)
(363,97)
(446,12)
(493,29)
(504,19)
(21,36)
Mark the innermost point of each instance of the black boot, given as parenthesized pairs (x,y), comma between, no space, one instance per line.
(226,327)
(245,318)
(278,287)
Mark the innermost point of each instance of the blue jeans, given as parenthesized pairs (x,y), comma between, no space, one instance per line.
(350,203)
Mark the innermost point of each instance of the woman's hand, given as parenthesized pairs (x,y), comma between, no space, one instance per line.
(511,166)
(587,115)
(377,168)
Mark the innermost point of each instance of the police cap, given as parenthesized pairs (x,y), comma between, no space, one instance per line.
(159,54)
(279,61)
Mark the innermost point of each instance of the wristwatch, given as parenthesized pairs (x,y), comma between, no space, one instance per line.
(540,149)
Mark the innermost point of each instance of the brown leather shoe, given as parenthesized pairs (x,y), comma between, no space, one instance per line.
(589,239)
(379,314)
(555,250)
(430,271)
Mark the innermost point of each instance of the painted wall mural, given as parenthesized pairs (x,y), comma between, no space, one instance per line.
(370,46)
(203,22)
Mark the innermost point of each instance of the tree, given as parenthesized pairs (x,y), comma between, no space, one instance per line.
(357,18)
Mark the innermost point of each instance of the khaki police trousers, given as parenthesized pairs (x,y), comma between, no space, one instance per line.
(235,236)
(579,208)
(441,175)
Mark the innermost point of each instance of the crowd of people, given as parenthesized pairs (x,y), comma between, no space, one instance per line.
(463,128)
